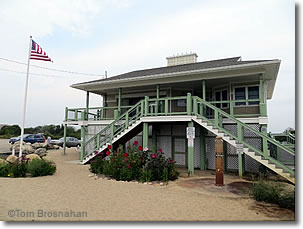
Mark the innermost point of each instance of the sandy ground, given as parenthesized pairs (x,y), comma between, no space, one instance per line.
(4,145)
(73,194)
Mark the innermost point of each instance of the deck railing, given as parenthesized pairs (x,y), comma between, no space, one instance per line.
(157,106)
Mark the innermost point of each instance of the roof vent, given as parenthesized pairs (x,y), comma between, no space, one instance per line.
(182,59)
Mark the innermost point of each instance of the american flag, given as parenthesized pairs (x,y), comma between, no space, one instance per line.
(37,53)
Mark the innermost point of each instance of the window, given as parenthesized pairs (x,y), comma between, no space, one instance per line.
(244,93)
(253,93)
(221,96)
(240,95)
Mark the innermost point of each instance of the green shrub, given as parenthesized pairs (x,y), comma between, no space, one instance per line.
(4,170)
(273,193)
(97,165)
(42,167)
(146,175)
(18,168)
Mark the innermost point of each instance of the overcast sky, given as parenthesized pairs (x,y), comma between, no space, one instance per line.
(118,36)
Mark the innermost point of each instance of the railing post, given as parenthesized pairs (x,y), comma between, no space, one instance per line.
(126,120)
(142,107)
(98,141)
(146,105)
(195,104)
(116,114)
(102,113)
(264,141)
(66,113)
(240,133)
(216,118)
(188,104)
(83,115)
(231,108)
(76,115)
(166,106)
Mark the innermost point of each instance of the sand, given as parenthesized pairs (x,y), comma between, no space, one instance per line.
(74,194)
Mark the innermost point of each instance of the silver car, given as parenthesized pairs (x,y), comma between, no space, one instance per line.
(70,142)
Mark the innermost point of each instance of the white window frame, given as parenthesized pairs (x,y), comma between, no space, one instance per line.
(221,104)
(246,95)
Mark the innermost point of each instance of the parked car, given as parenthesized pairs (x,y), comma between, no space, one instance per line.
(31,138)
(70,142)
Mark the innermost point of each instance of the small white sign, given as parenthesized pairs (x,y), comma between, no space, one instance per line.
(190,132)
(190,142)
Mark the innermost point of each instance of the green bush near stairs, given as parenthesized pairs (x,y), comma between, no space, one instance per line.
(273,193)
(134,164)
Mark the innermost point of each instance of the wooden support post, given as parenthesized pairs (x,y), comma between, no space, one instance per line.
(189,104)
(219,162)
(145,135)
(154,138)
(87,105)
(190,148)
(64,137)
(202,149)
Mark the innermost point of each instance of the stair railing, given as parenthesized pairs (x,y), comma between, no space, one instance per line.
(107,134)
(199,107)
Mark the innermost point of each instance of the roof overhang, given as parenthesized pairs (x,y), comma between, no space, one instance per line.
(269,70)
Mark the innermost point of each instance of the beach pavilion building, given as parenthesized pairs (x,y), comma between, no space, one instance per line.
(224,97)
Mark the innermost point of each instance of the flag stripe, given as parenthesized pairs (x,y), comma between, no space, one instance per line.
(37,53)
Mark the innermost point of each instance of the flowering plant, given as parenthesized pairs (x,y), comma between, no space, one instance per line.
(134,164)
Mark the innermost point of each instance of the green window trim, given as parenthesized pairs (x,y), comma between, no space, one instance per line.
(245,93)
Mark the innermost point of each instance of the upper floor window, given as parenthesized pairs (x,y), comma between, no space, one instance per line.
(244,93)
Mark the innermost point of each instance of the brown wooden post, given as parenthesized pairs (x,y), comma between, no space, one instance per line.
(219,162)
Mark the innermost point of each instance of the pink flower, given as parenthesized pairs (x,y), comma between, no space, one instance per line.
(171,161)
(109,147)
(154,155)
(145,149)
(140,148)
(125,155)
(160,151)
(107,153)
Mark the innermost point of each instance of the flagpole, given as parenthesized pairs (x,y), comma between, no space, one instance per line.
(25,97)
